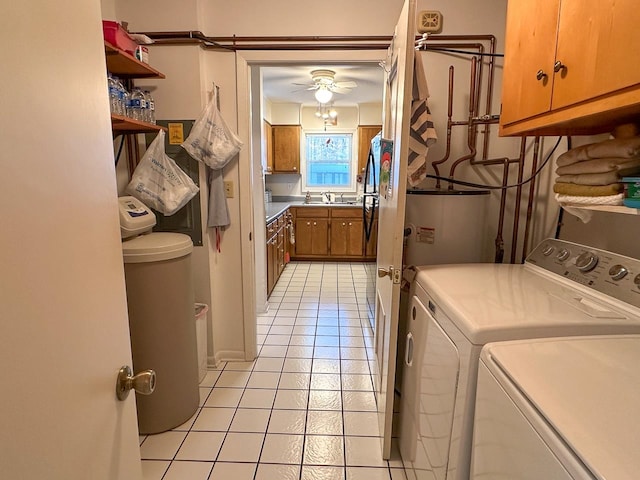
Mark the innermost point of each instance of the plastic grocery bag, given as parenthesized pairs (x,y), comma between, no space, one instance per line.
(159,182)
(210,140)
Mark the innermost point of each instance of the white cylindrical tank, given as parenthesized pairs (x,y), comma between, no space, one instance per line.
(444,226)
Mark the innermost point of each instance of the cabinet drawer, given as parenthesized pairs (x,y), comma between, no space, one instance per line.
(312,212)
(346,212)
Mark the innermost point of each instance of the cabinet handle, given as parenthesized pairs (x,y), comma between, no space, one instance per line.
(295,168)
(314,224)
(540,75)
(343,224)
(350,223)
(559,66)
(308,224)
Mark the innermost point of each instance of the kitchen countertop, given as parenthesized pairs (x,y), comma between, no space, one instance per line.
(273,209)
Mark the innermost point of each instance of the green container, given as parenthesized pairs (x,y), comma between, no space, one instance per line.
(631,187)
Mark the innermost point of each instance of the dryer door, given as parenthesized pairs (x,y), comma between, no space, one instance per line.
(425,447)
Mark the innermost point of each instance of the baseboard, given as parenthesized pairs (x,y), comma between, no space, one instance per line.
(264,309)
(225,356)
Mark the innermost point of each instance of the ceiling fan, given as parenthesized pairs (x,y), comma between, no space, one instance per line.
(325,85)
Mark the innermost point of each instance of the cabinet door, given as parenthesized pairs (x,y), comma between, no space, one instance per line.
(280,252)
(320,239)
(529,48)
(339,237)
(270,272)
(599,46)
(286,148)
(355,244)
(365,135)
(268,145)
(304,236)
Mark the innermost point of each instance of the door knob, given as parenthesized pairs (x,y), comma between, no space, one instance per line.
(540,75)
(385,272)
(143,383)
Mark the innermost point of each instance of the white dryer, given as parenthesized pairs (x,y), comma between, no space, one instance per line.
(563,289)
(558,409)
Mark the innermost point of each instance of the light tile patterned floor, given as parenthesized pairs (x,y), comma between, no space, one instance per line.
(304,409)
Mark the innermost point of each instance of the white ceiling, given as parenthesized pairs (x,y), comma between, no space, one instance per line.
(278,83)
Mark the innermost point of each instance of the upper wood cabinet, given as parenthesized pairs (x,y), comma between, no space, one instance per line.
(365,135)
(570,66)
(286,148)
(268,145)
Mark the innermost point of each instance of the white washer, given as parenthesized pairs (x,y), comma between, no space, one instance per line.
(558,409)
(563,289)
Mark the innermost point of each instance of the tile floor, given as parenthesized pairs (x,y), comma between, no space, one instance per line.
(304,409)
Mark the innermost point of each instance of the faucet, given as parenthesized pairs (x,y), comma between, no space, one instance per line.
(342,198)
(327,195)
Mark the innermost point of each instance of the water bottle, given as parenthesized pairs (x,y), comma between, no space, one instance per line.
(151,107)
(137,103)
(146,112)
(121,96)
(113,94)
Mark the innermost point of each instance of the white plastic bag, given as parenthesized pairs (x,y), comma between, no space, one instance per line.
(159,182)
(210,140)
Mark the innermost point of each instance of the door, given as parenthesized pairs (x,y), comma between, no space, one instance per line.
(397,112)
(64,325)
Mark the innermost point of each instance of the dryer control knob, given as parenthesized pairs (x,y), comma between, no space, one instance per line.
(547,250)
(618,272)
(563,254)
(586,262)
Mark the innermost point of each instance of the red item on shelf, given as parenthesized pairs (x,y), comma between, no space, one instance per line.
(118,37)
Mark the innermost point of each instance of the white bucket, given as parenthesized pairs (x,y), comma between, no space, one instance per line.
(201,310)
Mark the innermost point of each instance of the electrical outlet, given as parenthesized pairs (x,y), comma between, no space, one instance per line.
(228,189)
(429,21)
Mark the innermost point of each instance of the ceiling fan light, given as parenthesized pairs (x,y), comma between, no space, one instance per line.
(333,113)
(323,94)
(325,115)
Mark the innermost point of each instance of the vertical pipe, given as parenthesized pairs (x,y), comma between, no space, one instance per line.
(490,80)
(132,160)
(449,117)
(503,202)
(532,187)
(516,212)
(471,126)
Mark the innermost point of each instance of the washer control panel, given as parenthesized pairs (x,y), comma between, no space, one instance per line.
(606,272)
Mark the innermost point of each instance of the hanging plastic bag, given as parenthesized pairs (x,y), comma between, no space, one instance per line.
(210,140)
(159,182)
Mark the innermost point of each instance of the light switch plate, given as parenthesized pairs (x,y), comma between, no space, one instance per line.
(228,189)
(429,21)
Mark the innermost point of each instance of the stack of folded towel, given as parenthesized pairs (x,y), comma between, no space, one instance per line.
(590,174)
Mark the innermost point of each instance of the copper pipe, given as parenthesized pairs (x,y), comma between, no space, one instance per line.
(499,242)
(532,187)
(449,116)
(516,211)
(489,99)
(470,135)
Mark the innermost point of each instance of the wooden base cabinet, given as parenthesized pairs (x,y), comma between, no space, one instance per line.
(347,232)
(331,233)
(277,244)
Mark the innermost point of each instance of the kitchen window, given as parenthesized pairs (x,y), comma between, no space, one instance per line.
(329,159)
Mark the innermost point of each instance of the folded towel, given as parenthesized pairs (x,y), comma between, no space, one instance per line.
(601,165)
(574,204)
(619,148)
(606,178)
(580,200)
(422,133)
(587,190)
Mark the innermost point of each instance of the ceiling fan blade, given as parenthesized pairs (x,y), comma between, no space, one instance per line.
(349,84)
(340,90)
